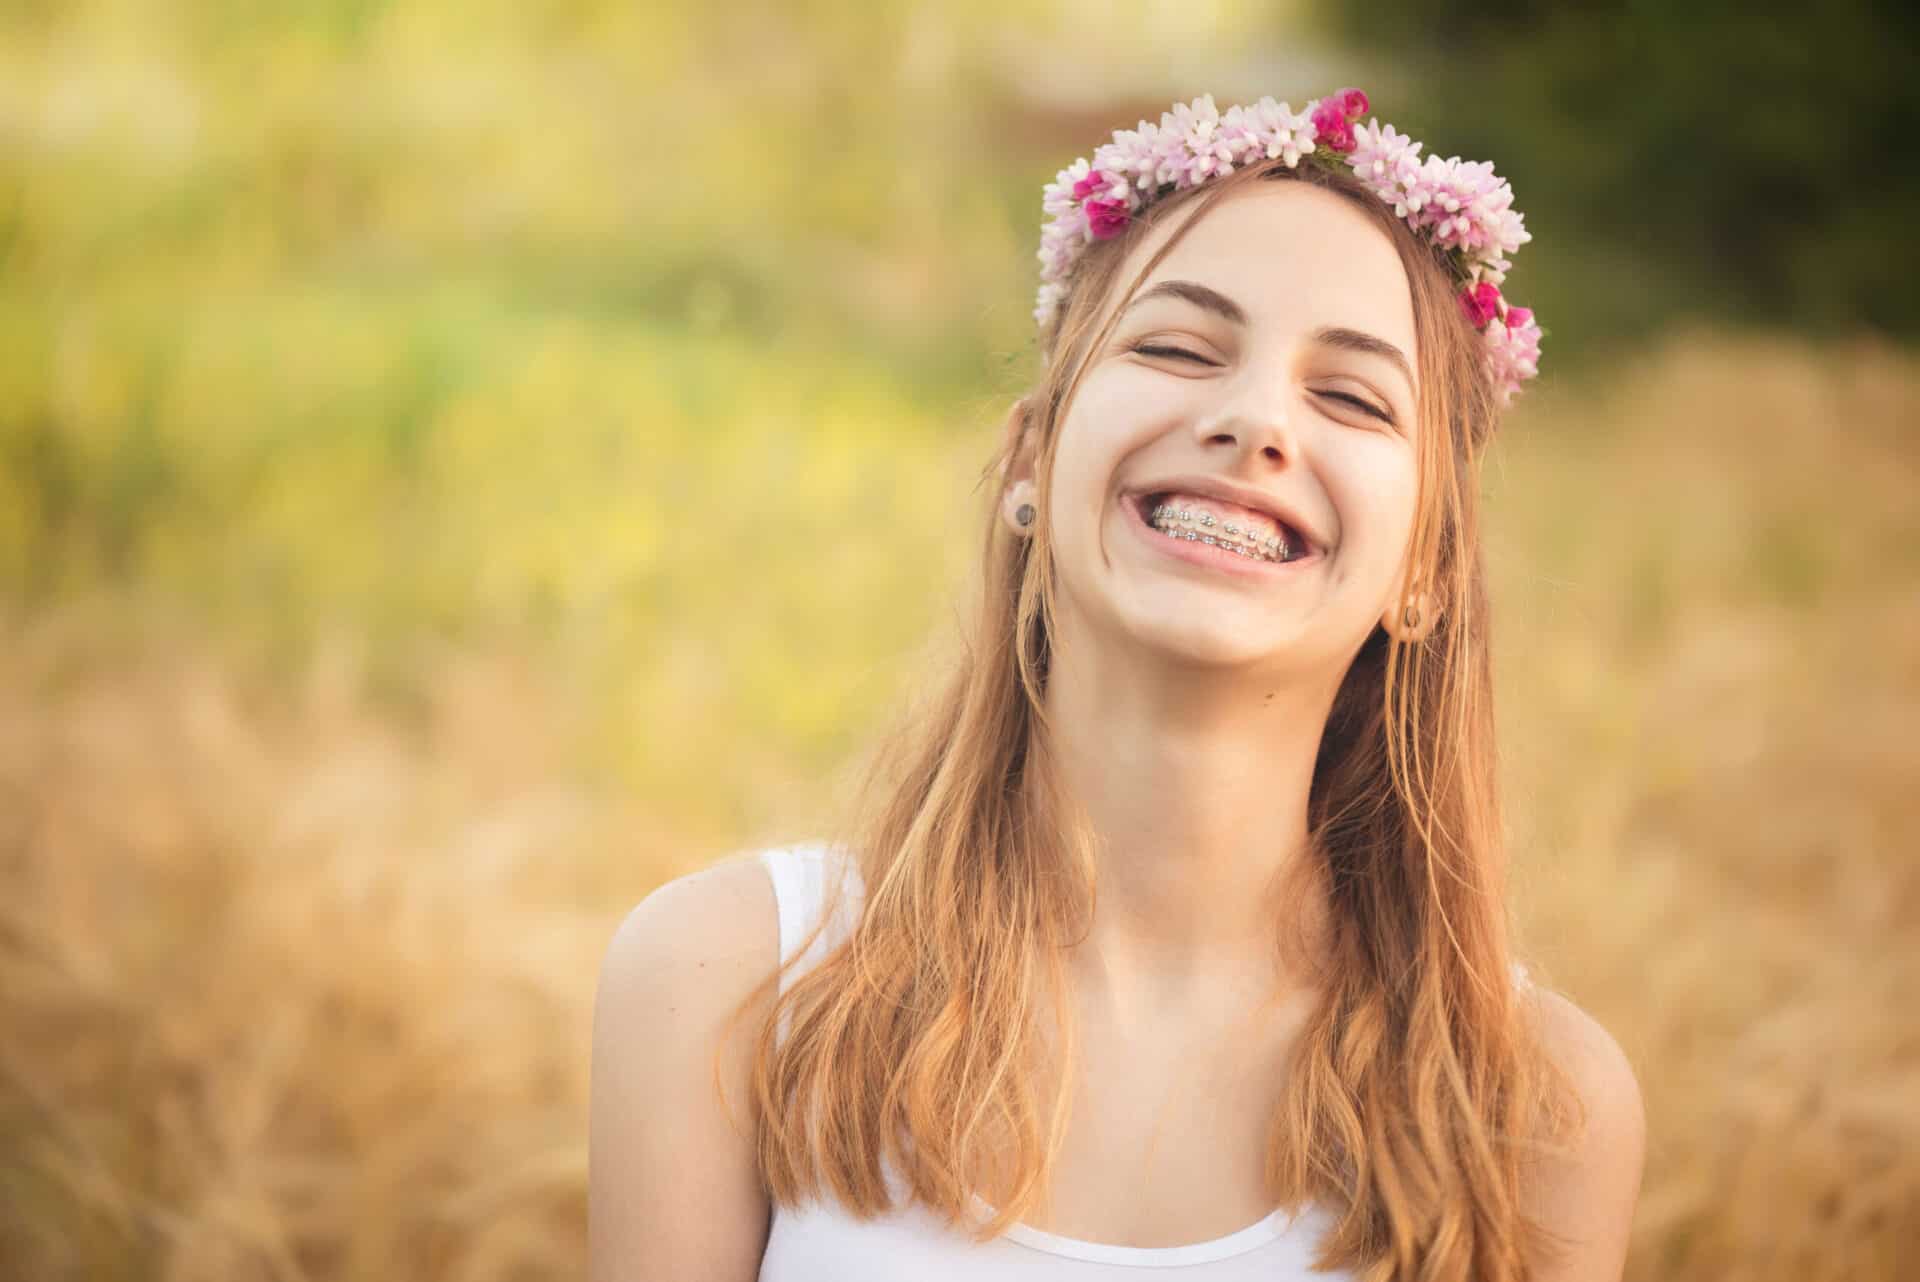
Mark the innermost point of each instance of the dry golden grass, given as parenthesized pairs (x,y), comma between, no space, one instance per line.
(292,992)
(297,986)
(1710,598)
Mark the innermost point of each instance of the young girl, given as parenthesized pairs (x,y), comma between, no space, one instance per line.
(1172,936)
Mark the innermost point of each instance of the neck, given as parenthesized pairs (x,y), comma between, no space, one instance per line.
(1196,780)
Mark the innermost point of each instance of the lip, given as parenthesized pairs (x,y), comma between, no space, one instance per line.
(1213,558)
(1219,488)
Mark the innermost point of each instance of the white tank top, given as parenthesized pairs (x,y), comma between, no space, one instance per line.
(820,1242)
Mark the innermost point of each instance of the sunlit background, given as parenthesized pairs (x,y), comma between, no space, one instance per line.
(463,462)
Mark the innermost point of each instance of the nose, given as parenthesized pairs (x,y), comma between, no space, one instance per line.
(1255,422)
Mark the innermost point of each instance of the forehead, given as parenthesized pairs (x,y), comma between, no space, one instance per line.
(1294,256)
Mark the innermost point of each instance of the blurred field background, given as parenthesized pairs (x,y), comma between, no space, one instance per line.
(462,464)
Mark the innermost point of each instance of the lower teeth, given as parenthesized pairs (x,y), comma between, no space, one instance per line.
(1194,537)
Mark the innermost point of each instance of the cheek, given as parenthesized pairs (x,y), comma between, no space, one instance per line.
(1096,438)
(1378,486)
(1110,404)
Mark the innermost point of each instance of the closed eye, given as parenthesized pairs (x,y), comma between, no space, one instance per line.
(1177,353)
(1368,406)
(1181,353)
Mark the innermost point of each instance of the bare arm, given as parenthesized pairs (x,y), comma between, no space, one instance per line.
(672,1187)
(1589,1197)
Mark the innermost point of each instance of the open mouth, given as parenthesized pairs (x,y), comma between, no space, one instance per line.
(1253,544)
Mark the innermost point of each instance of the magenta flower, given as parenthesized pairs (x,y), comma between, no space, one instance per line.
(1106,218)
(1057,197)
(1331,126)
(1353,103)
(1094,181)
(1481,303)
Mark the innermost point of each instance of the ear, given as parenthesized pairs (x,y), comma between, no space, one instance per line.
(1411,614)
(1016,443)
(1017,456)
(1413,607)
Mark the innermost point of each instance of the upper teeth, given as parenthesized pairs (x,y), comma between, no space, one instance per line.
(1245,532)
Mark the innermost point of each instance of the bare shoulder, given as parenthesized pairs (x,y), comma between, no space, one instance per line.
(1588,1196)
(696,944)
(723,913)
(673,1186)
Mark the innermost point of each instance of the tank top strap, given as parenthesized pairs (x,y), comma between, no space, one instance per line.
(811,880)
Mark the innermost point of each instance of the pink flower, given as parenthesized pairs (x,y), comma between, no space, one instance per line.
(1107,218)
(1331,127)
(1095,181)
(1332,130)
(1481,303)
(1052,295)
(1188,148)
(1266,130)
(1387,161)
(1130,157)
(1513,353)
(1057,198)
(1353,103)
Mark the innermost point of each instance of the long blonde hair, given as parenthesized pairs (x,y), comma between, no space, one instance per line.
(1418,1085)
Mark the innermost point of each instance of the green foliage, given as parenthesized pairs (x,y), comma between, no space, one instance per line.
(1742,163)
(566,327)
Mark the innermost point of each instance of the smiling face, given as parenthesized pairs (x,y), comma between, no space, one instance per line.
(1272,351)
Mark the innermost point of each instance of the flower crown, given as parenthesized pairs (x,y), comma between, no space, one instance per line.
(1460,206)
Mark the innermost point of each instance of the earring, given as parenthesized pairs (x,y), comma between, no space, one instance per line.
(1410,616)
(1024,514)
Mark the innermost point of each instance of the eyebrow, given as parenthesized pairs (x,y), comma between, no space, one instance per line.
(1338,336)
